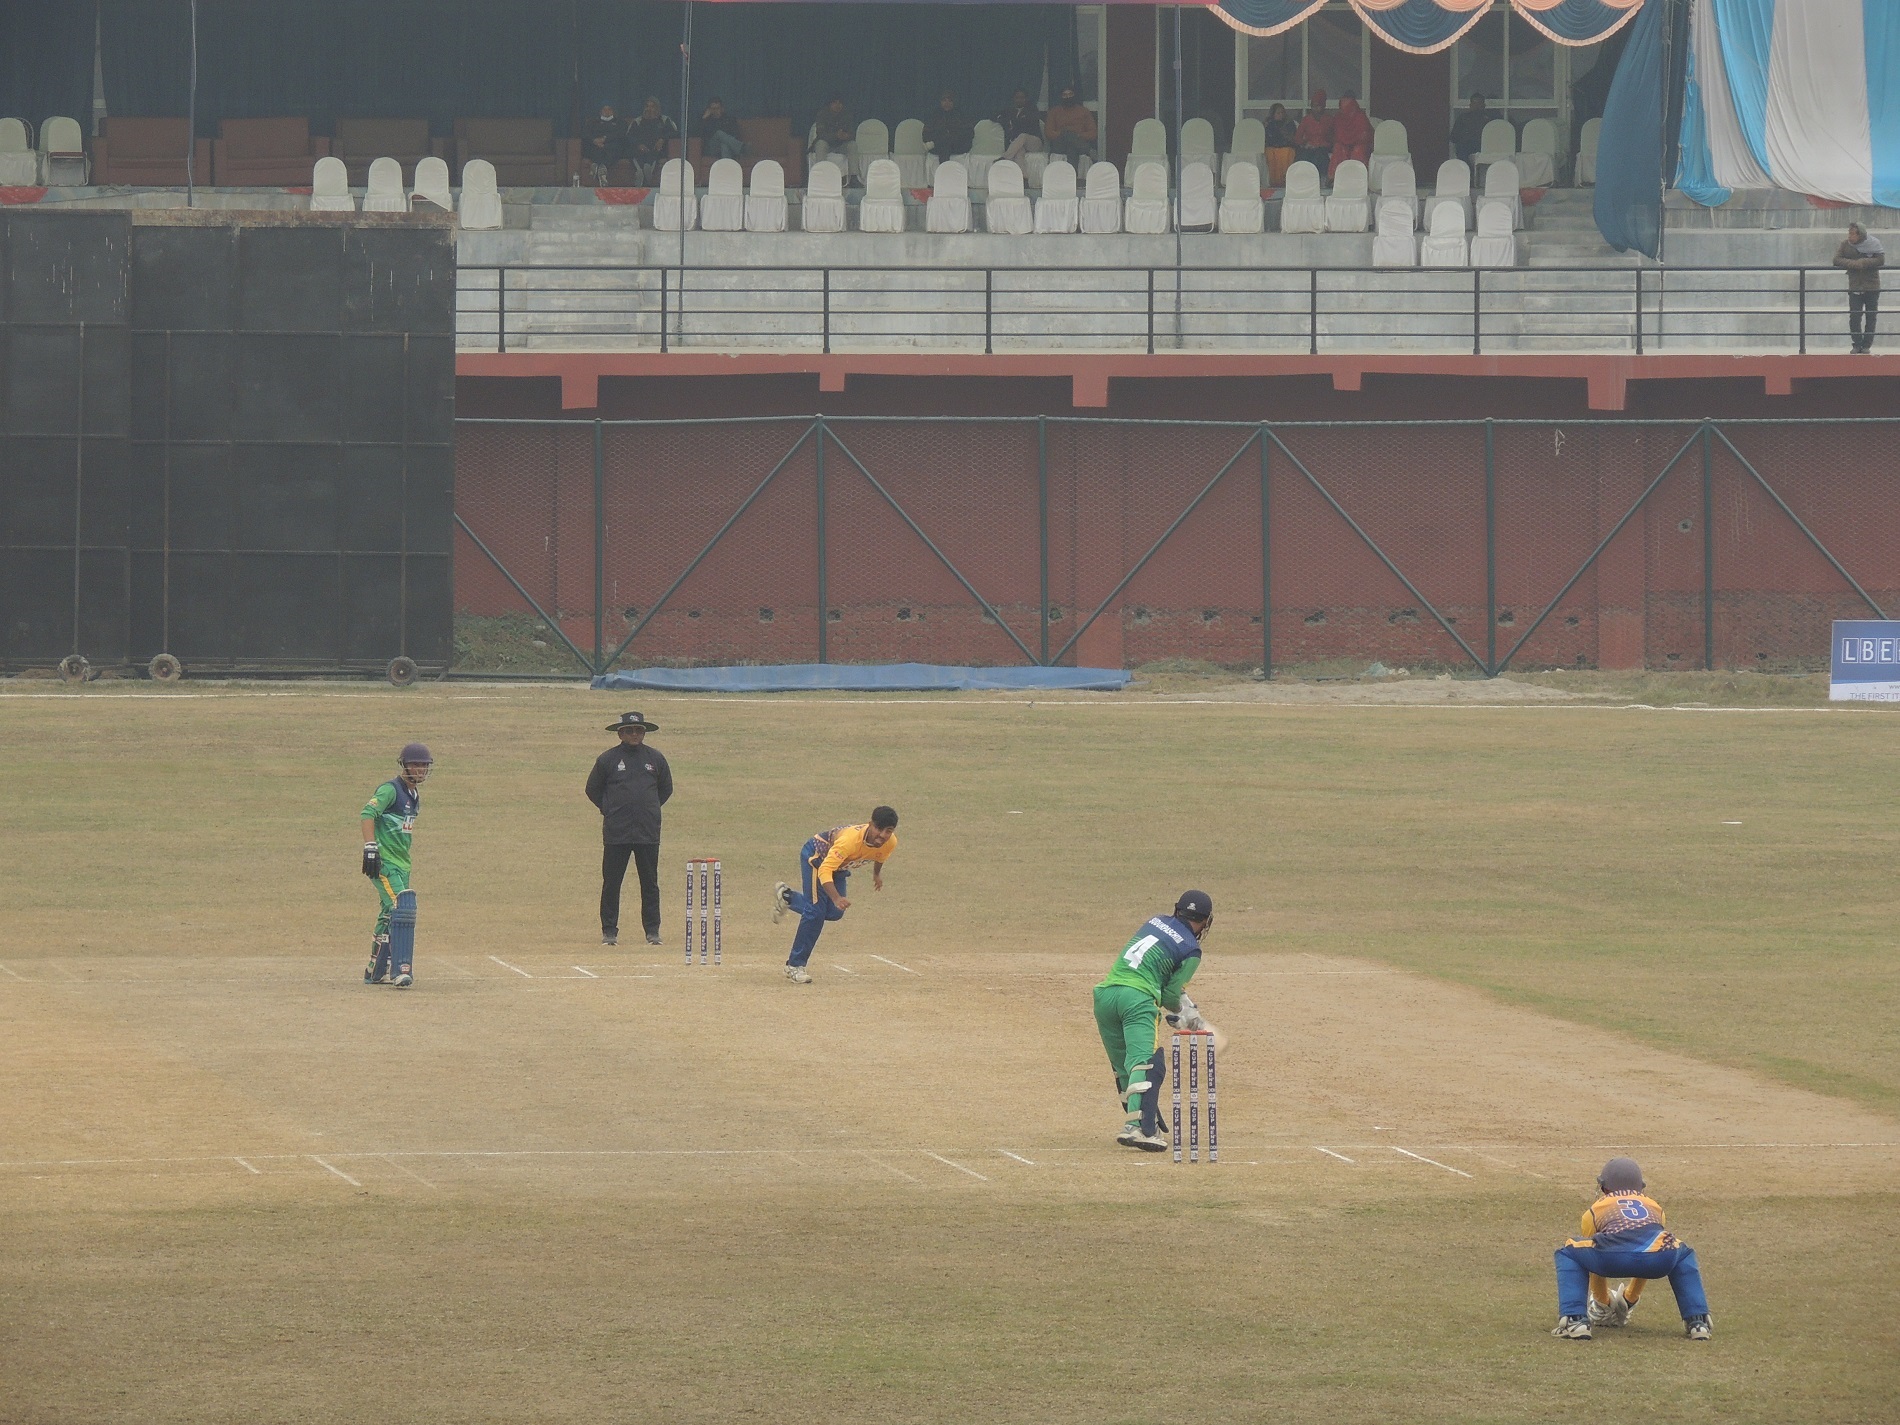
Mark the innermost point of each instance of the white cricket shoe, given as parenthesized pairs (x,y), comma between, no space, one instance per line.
(798,974)
(1698,1328)
(1571,1328)
(781,901)
(1131,1136)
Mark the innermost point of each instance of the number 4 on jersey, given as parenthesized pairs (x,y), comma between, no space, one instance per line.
(1134,953)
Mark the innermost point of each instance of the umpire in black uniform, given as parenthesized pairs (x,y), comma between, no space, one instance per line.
(630,783)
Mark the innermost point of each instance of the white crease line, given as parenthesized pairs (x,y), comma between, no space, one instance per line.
(506,966)
(332,1168)
(464,973)
(242,1164)
(905,968)
(1502,1163)
(1331,1154)
(21,978)
(889,1169)
(390,1159)
(1433,1161)
(841,969)
(948,1164)
(1017,1156)
(587,972)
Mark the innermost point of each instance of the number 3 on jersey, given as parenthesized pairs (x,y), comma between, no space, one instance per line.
(1134,953)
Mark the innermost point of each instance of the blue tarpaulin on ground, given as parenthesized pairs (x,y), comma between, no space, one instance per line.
(867,678)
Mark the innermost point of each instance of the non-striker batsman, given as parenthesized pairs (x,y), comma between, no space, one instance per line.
(389,820)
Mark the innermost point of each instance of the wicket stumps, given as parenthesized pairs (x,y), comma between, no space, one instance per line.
(1196,1038)
(711,878)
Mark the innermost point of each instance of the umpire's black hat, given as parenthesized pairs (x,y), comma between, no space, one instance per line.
(632,719)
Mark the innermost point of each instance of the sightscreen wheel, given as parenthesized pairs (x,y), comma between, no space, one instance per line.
(403,671)
(165,669)
(74,669)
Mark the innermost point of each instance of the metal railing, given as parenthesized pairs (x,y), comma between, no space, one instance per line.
(1480,311)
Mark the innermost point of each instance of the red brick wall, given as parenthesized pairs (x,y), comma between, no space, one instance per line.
(1114,487)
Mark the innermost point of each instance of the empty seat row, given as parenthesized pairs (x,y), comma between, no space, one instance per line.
(58,160)
(385,193)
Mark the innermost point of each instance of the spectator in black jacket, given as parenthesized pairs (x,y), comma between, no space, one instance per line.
(630,783)
(647,142)
(948,133)
(604,143)
(718,132)
(1022,127)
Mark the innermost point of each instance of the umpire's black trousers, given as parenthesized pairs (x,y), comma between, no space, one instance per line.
(613,870)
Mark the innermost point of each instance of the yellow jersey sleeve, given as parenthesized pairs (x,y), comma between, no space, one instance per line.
(848,852)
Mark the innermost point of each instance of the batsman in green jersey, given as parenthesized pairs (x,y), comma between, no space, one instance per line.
(389,818)
(1150,975)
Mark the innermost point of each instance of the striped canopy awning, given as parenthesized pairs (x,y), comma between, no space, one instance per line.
(1427,26)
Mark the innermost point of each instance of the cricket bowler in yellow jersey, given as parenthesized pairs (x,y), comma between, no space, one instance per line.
(825,864)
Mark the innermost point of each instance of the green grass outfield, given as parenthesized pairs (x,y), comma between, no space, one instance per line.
(1464,953)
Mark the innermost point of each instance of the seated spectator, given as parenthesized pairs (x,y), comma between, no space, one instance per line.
(948,132)
(647,142)
(833,130)
(1313,139)
(1022,127)
(1352,134)
(604,143)
(718,132)
(1281,152)
(1467,133)
(1070,127)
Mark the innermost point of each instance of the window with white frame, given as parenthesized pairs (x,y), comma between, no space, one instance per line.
(1512,63)
(1331,51)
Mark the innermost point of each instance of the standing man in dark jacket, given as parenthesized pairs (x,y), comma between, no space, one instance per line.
(630,783)
(1863,257)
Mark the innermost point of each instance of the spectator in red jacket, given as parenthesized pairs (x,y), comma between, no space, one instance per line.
(1352,134)
(1314,137)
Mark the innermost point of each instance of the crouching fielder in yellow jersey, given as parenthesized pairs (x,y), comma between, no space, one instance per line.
(1623,1235)
(825,863)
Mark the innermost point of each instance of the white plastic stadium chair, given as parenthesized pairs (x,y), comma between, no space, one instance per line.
(1057,210)
(1303,208)
(1587,154)
(1501,186)
(1198,211)
(432,184)
(677,206)
(1500,143)
(874,142)
(1150,142)
(1250,146)
(1537,155)
(481,202)
(914,164)
(1348,210)
(722,210)
(1396,245)
(19,160)
(765,204)
(1197,143)
(882,209)
(63,161)
(824,199)
(1391,146)
(1401,184)
(330,190)
(948,210)
(1007,209)
(1495,245)
(1147,209)
(1454,188)
(985,149)
(1101,208)
(1241,210)
(1444,246)
(385,193)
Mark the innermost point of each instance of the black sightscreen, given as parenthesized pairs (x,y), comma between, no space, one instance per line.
(226,442)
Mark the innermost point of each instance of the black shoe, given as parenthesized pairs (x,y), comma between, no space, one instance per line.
(653,937)
(610,937)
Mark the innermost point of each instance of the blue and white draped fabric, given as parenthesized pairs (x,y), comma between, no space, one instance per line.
(1427,26)
(1795,94)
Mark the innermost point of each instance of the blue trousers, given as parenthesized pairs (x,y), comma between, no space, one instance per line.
(1575,1265)
(814,907)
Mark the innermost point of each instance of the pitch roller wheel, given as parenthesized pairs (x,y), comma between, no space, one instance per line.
(403,671)
(74,669)
(165,669)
